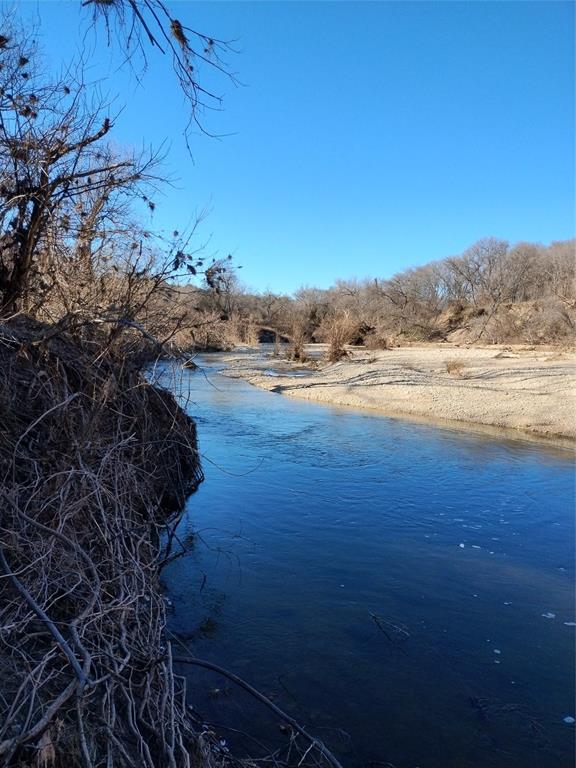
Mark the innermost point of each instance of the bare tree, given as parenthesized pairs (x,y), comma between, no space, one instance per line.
(560,270)
(59,179)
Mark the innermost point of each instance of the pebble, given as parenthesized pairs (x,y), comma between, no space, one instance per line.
(461,546)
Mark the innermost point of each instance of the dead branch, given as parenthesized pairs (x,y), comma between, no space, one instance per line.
(314,742)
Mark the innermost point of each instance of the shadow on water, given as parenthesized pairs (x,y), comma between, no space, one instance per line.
(404,590)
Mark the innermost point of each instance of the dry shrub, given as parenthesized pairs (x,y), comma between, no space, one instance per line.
(377,340)
(95,463)
(455,367)
(239,330)
(204,332)
(337,330)
(298,342)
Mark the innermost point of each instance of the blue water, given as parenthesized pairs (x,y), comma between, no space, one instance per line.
(402,589)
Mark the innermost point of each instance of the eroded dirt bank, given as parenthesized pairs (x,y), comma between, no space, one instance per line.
(532,390)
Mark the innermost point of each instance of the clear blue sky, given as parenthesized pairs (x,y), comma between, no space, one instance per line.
(368,136)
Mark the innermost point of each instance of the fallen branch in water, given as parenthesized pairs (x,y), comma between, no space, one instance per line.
(314,742)
(394,633)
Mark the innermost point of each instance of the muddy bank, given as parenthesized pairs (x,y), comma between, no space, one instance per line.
(531,391)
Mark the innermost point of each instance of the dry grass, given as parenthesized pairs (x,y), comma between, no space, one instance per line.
(455,367)
(338,331)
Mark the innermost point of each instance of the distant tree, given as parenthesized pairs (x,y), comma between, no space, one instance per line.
(271,308)
(559,268)
(480,270)
(520,270)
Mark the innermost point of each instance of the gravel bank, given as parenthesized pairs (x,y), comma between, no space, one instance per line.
(532,390)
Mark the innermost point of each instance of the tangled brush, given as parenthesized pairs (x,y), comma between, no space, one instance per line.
(95,464)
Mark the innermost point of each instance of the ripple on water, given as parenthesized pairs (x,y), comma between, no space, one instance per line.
(315,518)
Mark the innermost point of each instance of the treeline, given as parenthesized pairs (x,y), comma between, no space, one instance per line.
(492,293)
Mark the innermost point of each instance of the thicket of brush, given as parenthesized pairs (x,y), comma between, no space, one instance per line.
(95,464)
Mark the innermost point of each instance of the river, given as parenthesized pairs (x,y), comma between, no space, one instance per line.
(404,590)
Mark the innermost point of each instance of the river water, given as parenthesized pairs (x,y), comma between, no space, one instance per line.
(404,590)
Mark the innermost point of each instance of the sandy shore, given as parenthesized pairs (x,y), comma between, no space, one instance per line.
(499,387)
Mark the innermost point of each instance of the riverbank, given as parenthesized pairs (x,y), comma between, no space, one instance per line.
(528,390)
(96,464)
